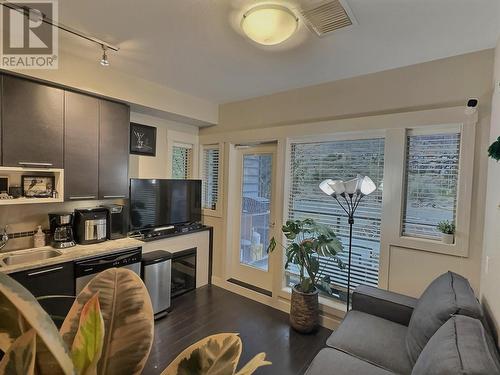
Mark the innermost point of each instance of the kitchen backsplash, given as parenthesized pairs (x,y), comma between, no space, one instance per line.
(26,218)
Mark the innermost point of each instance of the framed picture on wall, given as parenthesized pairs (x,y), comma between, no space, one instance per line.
(142,140)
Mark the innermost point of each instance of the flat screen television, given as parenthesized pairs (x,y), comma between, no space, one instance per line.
(157,202)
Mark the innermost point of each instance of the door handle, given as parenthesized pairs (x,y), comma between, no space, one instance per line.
(83,197)
(113,196)
(45,271)
(35,164)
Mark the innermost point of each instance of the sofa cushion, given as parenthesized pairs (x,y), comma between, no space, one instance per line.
(334,362)
(447,295)
(460,346)
(373,339)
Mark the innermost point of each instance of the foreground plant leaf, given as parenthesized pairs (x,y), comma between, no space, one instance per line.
(128,320)
(20,358)
(258,361)
(52,355)
(87,346)
(217,354)
(9,323)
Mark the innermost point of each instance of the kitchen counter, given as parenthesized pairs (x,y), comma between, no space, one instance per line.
(70,254)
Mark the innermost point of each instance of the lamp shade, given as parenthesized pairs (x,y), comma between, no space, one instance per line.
(338,186)
(367,186)
(326,187)
(351,186)
(269,24)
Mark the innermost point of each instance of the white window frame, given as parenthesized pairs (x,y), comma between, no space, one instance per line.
(220,146)
(395,192)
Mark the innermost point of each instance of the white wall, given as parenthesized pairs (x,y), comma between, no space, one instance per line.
(417,94)
(490,282)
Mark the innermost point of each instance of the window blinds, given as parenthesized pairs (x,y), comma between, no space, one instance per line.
(210,177)
(311,163)
(432,167)
(182,160)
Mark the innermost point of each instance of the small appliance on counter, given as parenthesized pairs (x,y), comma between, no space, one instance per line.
(61,228)
(91,225)
(117,221)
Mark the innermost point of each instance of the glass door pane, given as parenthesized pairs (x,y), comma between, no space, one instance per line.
(256,189)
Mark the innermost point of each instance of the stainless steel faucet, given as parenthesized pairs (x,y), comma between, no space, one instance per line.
(4,238)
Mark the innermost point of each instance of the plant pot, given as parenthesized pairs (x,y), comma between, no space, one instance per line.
(304,311)
(448,239)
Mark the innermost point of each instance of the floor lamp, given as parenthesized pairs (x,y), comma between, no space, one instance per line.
(348,195)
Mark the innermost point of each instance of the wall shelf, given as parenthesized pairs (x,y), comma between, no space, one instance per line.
(15,173)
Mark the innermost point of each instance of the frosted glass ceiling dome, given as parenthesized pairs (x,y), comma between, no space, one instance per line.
(269,24)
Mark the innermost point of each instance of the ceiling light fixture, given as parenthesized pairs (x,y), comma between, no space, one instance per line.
(104,60)
(269,24)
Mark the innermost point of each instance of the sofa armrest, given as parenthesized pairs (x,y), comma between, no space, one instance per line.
(392,306)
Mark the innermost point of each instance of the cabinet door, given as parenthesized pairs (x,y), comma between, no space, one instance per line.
(55,280)
(81,146)
(113,150)
(32,124)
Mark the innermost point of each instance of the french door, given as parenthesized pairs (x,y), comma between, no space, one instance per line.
(254,217)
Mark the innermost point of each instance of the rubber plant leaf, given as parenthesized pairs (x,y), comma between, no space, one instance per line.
(20,357)
(494,150)
(214,355)
(52,356)
(87,346)
(128,320)
(258,361)
(9,323)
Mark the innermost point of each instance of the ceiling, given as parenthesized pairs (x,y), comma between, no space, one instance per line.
(196,46)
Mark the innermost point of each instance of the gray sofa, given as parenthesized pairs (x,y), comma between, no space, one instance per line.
(442,333)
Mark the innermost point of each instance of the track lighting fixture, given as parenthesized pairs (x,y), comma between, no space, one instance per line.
(104,60)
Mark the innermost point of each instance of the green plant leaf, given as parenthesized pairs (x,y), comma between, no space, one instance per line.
(258,361)
(272,245)
(214,355)
(87,346)
(494,150)
(128,320)
(52,356)
(20,357)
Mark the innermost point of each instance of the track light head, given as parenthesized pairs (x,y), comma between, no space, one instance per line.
(104,59)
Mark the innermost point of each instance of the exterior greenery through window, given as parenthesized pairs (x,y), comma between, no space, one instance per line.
(432,167)
(311,163)
(210,175)
(182,161)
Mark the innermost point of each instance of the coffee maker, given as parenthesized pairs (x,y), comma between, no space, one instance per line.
(61,228)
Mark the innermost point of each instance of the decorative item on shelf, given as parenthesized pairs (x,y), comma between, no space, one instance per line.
(39,237)
(307,242)
(38,186)
(494,150)
(5,196)
(142,140)
(351,193)
(447,228)
(16,191)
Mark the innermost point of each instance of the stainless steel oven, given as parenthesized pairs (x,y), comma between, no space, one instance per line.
(85,270)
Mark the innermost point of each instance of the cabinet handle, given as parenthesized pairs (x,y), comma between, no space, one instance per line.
(28,163)
(83,197)
(113,196)
(45,271)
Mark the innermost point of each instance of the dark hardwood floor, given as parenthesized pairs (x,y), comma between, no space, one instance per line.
(210,310)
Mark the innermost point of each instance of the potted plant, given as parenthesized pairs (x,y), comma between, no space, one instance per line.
(307,242)
(448,229)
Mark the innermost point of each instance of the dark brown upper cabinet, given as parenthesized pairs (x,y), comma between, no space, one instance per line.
(32,122)
(81,146)
(113,150)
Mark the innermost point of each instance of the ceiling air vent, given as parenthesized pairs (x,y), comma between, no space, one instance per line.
(327,17)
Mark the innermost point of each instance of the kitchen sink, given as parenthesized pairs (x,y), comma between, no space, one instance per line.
(30,257)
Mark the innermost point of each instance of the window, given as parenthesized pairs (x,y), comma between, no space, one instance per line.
(311,163)
(182,161)
(210,177)
(432,167)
